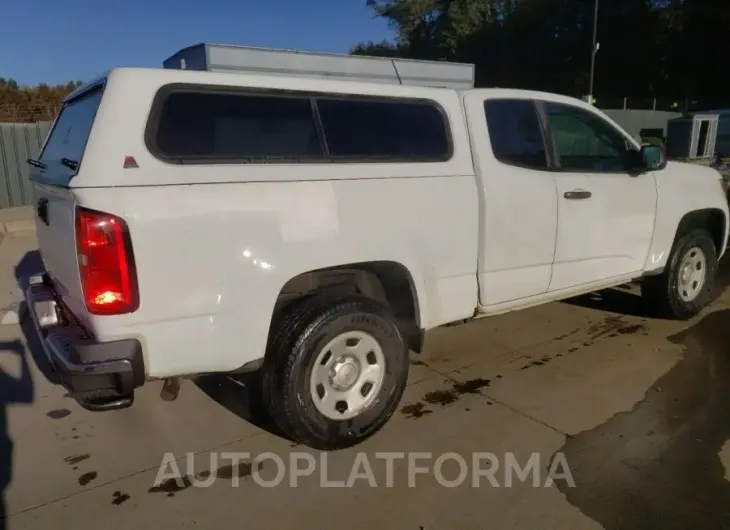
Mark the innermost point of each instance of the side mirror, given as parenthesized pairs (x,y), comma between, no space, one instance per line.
(653,157)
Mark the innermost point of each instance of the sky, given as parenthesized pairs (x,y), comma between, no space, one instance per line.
(52,41)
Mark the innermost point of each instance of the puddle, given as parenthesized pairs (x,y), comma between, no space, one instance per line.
(119,498)
(73,460)
(540,362)
(473,386)
(440,397)
(443,398)
(58,414)
(630,330)
(609,327)
(658,465)
(415,410)
(87,477)
(231,472)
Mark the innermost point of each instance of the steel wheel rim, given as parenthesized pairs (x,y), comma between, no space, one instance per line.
(692,274)
(347,375)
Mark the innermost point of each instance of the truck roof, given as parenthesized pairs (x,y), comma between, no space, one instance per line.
(202,77)
(167,75)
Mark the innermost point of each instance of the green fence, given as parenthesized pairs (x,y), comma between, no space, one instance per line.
(18,143)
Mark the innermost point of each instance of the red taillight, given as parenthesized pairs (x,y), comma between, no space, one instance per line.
(106,263)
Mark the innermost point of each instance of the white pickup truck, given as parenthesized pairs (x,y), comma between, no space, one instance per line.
(196,222)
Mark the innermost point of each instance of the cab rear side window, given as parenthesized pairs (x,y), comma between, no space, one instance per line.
(191,124)
(515,133)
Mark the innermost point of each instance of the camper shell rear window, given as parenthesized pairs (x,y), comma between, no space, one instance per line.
(64,148)
(205,124)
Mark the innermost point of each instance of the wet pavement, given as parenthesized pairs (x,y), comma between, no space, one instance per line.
(636,409)
(658,465)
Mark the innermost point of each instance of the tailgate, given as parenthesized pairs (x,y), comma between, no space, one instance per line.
(59,162)
(55,218)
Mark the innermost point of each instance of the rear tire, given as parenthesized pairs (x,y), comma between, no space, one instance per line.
(686,285)
(335,370)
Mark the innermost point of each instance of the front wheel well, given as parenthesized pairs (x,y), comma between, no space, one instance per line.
(388,282)
(710,219)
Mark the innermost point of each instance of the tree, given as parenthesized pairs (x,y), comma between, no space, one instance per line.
(648,48)
(435,29)
(379,49)
(31,103)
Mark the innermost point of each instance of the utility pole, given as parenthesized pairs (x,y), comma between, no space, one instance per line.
(594,51)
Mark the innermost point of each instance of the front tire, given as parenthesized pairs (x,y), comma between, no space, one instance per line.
(335,370)
(686,285)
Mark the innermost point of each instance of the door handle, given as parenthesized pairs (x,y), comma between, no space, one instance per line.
(577,194)
(42,209)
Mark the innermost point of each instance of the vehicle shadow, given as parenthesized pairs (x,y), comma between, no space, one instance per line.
(242,395)
(13,390)
(31,264)
(17,389)
(615,300)
(621,300)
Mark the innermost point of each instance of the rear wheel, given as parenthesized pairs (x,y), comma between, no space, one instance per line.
(335,370)
(686,285)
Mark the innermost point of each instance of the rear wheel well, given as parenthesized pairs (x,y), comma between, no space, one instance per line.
(388,282)
(710,219)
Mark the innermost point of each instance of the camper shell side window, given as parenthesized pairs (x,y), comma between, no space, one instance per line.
(222,125)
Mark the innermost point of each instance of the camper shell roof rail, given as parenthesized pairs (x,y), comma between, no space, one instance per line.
(271,61)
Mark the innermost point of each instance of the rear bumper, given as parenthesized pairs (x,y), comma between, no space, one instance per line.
(99,375)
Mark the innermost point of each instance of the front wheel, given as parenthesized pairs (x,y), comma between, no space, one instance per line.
(686,285)
(335,370)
